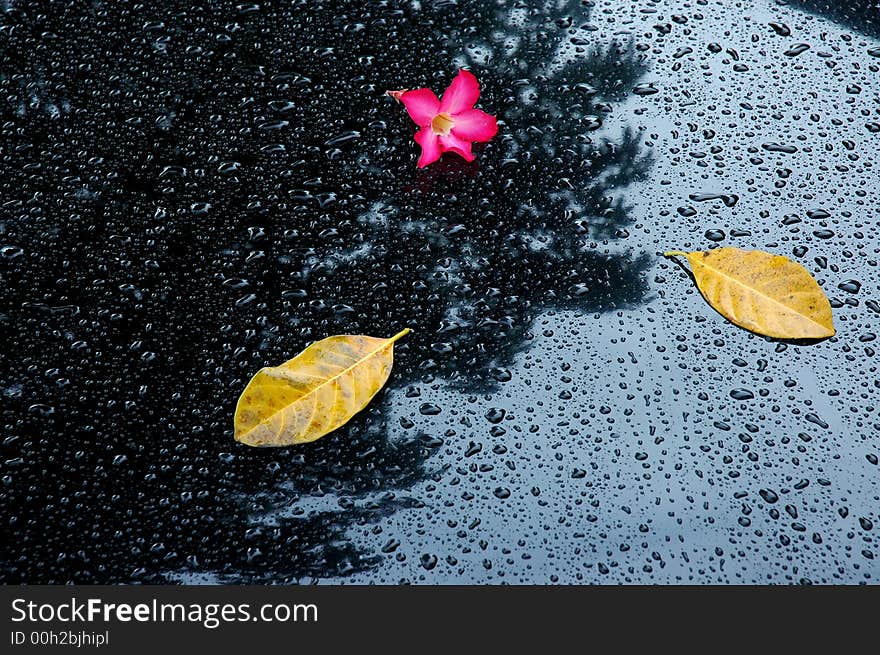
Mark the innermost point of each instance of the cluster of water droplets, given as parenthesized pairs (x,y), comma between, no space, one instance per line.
(193,194)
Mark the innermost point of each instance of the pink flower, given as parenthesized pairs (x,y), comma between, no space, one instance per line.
(450,124)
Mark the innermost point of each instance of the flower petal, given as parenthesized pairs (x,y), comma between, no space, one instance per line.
(430,144)
(474,125)
(421,105)
(462,94)
(451,143)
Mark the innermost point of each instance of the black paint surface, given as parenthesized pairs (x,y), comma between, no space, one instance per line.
(192,192)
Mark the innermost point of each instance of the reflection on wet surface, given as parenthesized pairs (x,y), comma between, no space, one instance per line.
(212,191)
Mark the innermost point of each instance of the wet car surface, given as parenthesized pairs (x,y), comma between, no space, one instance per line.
(190,194)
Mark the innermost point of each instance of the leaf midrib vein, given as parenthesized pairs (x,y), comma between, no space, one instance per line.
(763,295)
(314,389)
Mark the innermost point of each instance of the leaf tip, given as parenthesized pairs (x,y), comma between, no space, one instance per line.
(674,253)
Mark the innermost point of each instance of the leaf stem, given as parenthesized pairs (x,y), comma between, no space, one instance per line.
(399,335)
(674,253)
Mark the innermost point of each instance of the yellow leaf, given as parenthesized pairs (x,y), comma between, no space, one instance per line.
(765,293)
(314,393)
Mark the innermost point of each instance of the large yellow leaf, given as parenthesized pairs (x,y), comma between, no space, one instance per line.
(314,393)
(765,293)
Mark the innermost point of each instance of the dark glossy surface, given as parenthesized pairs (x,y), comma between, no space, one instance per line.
(190,194)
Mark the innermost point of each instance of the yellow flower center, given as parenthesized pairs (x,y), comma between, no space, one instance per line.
(442,124)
